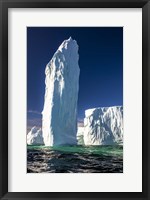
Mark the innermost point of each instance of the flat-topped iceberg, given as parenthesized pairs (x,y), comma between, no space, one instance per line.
(59,123)
(103,126)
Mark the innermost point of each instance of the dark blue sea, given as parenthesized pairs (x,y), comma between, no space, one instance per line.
(75,159)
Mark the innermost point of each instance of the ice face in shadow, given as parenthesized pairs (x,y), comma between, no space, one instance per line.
(103,126)
(59,122)
(34,137)
(80,135)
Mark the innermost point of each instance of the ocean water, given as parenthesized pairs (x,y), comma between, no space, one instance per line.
(75,159)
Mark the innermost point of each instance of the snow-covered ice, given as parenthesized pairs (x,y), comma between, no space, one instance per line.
(34,137)
(103,126)
(59,122)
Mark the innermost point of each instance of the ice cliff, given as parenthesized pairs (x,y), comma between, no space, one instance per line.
(59,116)
(103,126)
(34,137)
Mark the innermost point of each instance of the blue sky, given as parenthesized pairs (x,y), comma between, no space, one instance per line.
(100,62)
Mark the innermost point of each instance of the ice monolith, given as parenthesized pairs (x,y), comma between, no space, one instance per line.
(59,122)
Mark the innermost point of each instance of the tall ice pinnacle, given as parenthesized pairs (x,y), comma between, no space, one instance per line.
(59,123)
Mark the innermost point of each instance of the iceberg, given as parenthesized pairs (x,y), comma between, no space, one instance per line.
(103,126)
(59,115)
(34,137)
(80,135)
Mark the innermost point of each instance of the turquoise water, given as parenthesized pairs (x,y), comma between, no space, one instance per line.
(75,159)
(99,150)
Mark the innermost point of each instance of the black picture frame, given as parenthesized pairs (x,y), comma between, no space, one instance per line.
(4,6)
